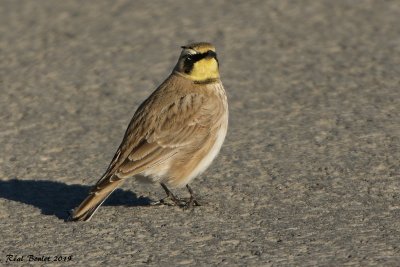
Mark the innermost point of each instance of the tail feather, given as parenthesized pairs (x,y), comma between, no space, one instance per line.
(97,196)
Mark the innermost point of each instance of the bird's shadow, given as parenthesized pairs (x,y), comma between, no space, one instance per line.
(56,198)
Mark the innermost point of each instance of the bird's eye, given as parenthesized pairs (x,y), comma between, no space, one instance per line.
(188,57)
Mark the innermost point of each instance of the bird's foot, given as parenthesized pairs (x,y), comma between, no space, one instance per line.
(192,200)
(169,201)
(172,200)
(190,203)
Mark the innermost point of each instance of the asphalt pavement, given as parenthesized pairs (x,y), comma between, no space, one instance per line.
(309,174)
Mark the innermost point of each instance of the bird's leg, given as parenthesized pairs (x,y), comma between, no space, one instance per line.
(192,201)
(176,200)
(183,203)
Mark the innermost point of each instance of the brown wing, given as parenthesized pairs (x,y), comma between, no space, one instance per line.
(169,131)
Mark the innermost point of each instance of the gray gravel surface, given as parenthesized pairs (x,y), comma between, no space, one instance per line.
(308,174)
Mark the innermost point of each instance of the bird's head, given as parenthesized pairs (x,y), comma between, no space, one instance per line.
(198,62)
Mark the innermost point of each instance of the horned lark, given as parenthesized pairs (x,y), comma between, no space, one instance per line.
(175,133)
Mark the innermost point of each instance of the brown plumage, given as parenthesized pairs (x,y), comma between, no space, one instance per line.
(174,134)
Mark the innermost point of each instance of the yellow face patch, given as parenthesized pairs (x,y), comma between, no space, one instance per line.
(204,69)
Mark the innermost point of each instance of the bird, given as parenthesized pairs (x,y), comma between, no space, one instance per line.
(173,136)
